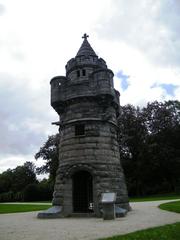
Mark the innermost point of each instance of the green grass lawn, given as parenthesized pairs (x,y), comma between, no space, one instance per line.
(15,208)
(167,232)
(171,206)
(154,198)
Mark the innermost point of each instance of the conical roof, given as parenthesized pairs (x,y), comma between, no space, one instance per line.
(86,48)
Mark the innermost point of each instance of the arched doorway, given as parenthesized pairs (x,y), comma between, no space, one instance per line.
(82,192)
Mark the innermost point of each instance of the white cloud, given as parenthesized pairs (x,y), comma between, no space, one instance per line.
(39,37)
(150,26)
(143,40)
(23,115)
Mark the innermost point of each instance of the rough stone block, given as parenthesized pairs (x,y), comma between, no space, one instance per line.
(53,212)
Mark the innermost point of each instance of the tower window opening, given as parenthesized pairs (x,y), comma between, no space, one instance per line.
(78,73)
(79,130)
(84,72)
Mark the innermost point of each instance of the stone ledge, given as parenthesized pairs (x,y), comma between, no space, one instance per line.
(120,212)
(53,212)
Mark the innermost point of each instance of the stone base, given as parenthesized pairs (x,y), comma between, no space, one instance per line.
(120,212)
(53,212)
(56,212)
(82,215)
(125,206)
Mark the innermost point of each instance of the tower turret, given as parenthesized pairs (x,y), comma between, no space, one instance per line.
(89,160)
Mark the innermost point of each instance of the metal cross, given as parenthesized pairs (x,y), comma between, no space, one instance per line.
(85,36)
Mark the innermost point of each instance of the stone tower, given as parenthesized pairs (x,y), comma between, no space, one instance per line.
(89,160)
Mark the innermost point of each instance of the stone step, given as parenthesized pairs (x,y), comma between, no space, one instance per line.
(85,215)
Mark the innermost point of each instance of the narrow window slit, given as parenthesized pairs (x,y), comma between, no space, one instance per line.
(78,73)
(84,72)
(79,130)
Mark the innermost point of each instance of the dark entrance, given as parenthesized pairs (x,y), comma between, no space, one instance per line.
(82,192)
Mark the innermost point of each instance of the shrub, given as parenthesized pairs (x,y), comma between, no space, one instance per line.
(37,192)
(7,197)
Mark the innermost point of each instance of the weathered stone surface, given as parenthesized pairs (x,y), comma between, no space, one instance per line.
(120,212)
(53,212)
(86,97)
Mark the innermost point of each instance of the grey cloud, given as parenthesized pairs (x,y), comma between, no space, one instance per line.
(24,115)
(2,9)
(151,26)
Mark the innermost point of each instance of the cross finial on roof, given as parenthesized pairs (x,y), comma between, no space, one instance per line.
(85,36)
(85,49)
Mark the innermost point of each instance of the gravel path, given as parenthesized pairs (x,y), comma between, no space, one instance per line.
(25,226)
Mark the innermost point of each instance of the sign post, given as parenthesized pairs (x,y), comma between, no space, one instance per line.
(108,203)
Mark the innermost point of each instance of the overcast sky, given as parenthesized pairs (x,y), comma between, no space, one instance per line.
(139,40)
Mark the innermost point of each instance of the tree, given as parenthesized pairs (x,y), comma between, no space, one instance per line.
(14,181)
(163,124)
(22,176)
(150,147)
(17,179)
(6,180)
(49,152)
(161,116)
(41,191)
(132,142)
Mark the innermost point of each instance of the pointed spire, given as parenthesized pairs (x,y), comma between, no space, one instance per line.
(86,48)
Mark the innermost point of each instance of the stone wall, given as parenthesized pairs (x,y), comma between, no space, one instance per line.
(97,151)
